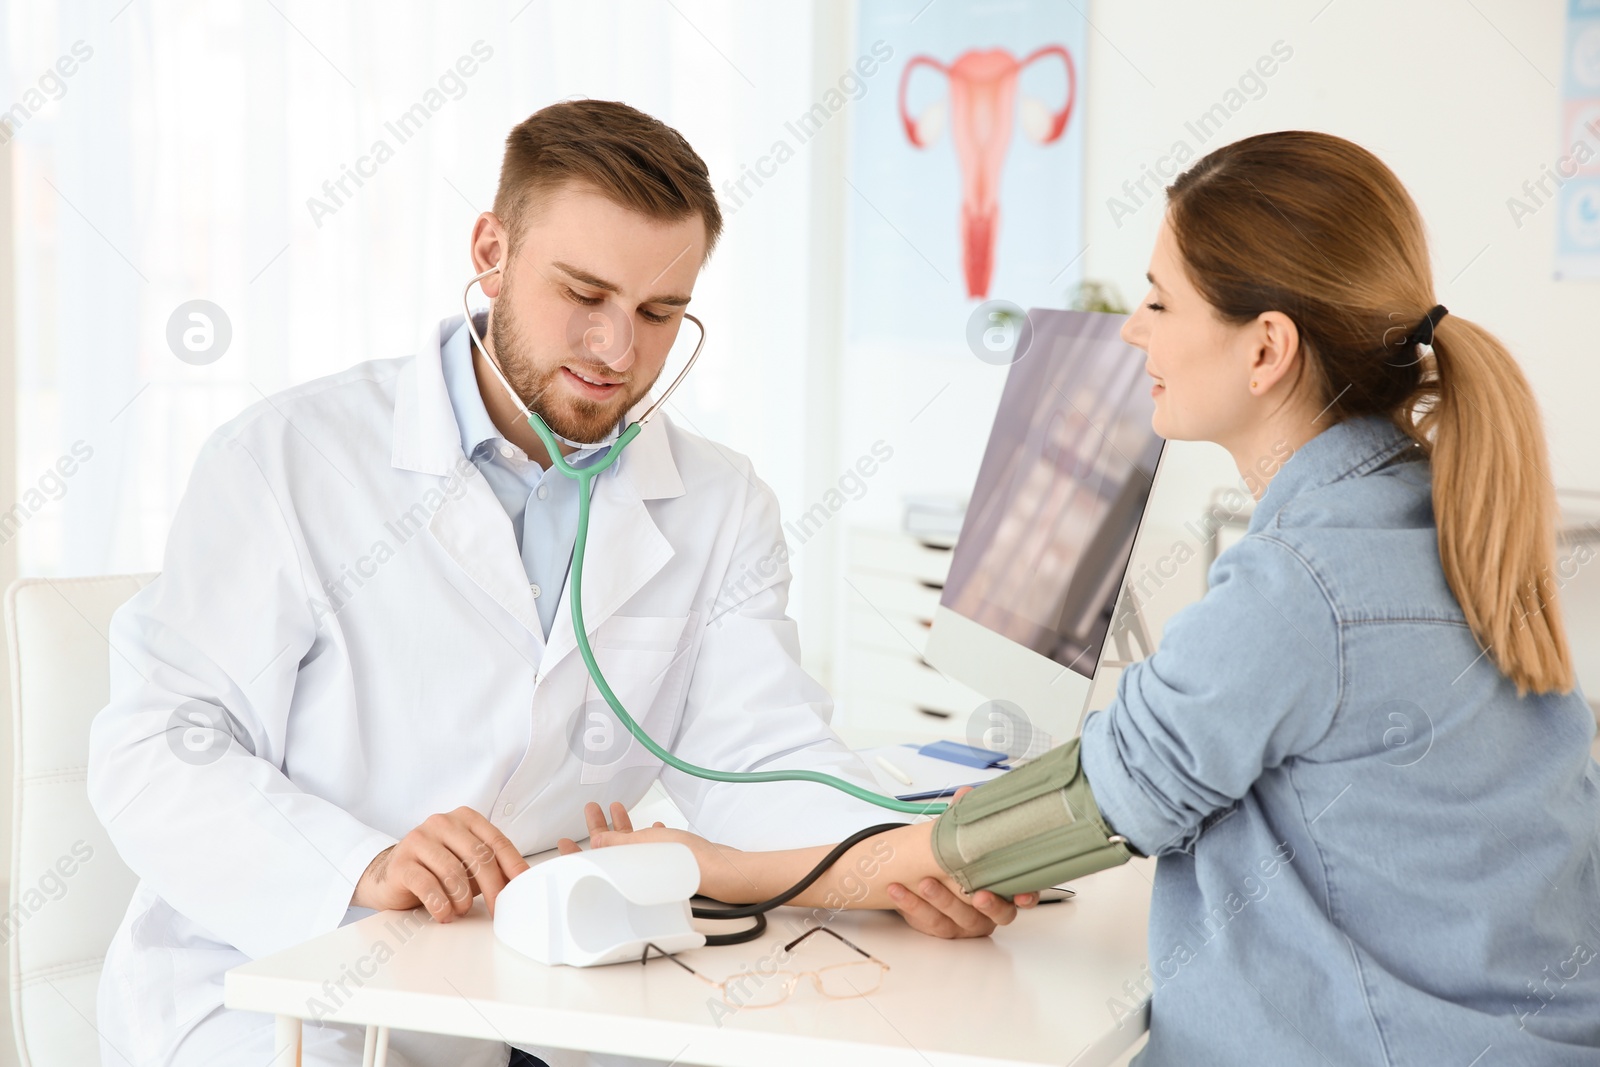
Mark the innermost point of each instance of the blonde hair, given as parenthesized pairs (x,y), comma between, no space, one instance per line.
(1319,229)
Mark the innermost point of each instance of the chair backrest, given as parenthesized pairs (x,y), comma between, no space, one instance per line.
(69,888)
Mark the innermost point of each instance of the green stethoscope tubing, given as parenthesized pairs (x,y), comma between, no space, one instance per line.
(585,476)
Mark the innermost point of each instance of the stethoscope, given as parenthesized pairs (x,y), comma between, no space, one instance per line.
(585,476)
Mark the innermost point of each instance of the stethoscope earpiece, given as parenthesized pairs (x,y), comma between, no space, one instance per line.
(505,384)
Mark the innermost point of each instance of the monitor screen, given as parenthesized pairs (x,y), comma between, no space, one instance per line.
(1061,491)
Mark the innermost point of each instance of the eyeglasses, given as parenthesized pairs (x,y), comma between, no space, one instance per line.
(763,988)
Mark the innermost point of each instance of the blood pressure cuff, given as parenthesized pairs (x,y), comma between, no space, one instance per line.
(1029,829)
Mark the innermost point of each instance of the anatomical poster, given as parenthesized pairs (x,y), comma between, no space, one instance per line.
(966,166)
(1577,171)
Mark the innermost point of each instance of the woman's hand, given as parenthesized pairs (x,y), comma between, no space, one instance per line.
(595,819)
(720,878)
(939,910)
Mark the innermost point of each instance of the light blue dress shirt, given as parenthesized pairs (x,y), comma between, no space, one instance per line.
(541,503)
(1372,851)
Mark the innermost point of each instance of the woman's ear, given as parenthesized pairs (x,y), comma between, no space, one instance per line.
(1275,347)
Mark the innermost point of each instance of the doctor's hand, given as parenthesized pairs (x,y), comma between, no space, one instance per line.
(935,910)
(442,865)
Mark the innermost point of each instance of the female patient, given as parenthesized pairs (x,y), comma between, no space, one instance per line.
(1361,757)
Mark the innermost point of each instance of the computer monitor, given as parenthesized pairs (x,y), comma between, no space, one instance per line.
(1051,525)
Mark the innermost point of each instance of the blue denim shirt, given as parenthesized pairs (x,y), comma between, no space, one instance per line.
(1371,850)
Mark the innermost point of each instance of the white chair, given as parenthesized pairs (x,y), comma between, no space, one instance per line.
(69,889)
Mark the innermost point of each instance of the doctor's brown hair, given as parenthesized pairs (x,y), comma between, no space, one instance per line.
(1317,228)
(632,159)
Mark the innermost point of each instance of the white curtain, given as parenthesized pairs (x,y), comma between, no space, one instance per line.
(178,161)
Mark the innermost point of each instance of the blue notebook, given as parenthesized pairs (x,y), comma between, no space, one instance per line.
(967,755)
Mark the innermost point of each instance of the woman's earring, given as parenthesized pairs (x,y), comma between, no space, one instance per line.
(1252,384)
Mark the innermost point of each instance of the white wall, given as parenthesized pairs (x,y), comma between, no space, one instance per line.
(8,551)
(8,490)
(1459,99)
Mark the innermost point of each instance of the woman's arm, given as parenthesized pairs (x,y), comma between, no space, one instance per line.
(890,871)
(862,878)
(1245,679)
(858,879)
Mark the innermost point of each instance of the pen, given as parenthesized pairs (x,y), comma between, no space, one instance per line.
(894,772)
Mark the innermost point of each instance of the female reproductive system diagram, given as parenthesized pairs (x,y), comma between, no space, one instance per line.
(981,105)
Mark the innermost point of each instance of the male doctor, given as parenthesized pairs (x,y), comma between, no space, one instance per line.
(355,683)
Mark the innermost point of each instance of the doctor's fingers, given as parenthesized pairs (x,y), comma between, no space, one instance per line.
(440,871)
(489,857)
(505,855)
(422,884)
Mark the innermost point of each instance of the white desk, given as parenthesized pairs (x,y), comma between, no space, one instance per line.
(1036,992)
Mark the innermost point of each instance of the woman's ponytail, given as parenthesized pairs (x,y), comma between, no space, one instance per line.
(1494,503)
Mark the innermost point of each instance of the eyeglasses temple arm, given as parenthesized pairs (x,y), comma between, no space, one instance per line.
(823,929)
(669,956)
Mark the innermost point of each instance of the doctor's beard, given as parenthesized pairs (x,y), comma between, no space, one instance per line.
(575,418)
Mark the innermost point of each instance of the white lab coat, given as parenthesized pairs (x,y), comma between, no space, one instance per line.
(343,582)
